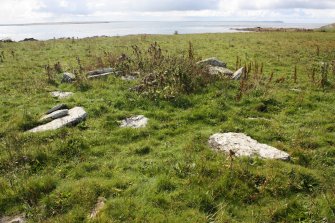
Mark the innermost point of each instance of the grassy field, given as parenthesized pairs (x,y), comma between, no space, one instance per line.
(166,172)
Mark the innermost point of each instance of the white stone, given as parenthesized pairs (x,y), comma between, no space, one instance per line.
(237,75)
(135,122)
(212,62)
(243,145)
(55,115)
(76,115)
(220,71)
(61,94)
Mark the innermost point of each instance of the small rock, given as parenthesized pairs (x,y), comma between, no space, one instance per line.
(55,115)
(259,118)
(57,107)
(98,207)
(237,75)
(295,90)
(15,219)
(135,122)
(128,78)
(220,71)
(242,145)
(212,62)
(76,115)
(61,94)
(101,71)
(68,77)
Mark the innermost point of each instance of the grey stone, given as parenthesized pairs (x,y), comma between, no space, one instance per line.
(100,71)
(61,94)
(135,122)
(238,74)
(212,62)
(55,115)
(76,115)
(242,145)
(68,77)
(220,71)
(98,207)
(57,107)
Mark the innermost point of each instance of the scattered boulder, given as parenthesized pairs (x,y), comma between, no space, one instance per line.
(61,94)
(56,108)
(240,144)
(220,71)
(68,77)
(98,207)
(212,62)
(55,115)
(100,73)
(135,122)
(15,219)
(75,115)
(238,74)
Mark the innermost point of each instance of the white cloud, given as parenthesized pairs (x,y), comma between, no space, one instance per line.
(19,11)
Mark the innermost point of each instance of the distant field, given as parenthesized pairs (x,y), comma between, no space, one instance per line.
(166,172)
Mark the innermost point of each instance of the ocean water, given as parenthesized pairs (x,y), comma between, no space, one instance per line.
(50,31)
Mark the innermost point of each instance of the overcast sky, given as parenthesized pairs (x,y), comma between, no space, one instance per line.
(26,11)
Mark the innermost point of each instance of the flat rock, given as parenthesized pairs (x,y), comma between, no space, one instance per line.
(98,207)
(243,145)
(61,94)
(238,74)
(55,115)
(14,219)
(220,71)
(68,77)
(212,62)
(98,75)
(135,122)
(76,115)
(56,108)
(100,71)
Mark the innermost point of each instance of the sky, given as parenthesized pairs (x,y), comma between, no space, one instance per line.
(30,11)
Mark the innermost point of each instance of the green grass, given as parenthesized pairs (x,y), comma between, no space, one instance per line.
(166,172)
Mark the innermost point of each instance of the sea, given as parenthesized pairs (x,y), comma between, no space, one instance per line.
(45,31)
